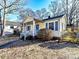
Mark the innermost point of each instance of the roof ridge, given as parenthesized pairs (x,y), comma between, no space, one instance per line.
(54,17)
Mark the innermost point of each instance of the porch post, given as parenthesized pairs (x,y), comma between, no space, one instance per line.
(33,28)
(23,27)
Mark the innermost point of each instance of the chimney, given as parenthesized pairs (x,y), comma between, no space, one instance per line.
(48,16)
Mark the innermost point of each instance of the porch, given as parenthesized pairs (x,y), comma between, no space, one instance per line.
(32,27)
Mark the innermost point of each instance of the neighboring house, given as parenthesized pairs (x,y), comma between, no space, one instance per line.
(56,24)
(10,26)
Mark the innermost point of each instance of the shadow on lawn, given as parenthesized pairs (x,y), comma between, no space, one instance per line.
(19,43)
(47,44)
(54,45)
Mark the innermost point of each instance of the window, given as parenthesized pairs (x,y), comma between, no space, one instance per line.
(37,27)
(28,28)
(51,26)
(46,25)
(56,26)
(12,27)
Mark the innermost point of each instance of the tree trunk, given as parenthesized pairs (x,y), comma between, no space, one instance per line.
(3,24)
(67,11)
(4,13)
(0,24)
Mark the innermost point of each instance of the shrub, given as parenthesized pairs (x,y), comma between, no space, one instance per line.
(71,39)
(16,32)
(29,37)
(57,38)
(45,34)
(22,38)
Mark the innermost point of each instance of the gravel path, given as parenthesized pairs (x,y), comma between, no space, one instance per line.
(33,49)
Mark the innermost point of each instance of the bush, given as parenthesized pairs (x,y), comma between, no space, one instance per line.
(16,32)
(22,38)
(70,39)
(45,34)
(29,37)
(57,38)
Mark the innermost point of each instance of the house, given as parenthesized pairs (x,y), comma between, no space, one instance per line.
(57,24)
(10,26)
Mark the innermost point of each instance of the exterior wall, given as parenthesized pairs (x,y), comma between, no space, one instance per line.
(41,25)
(63,24)
(54,33)
(7,30)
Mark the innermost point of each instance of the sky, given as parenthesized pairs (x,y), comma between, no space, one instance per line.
(34,5)
(12,17)
(38,4)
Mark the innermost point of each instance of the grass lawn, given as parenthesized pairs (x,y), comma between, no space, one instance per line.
(40,50)
(7,39)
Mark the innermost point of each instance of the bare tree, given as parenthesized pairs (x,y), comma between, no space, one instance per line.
(57,7)
(43,13)
(8,6)
(53,7)
(72,12)
(26,12)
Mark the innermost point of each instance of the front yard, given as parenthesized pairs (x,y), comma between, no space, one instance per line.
(34,49)
(71,36)
(4,40)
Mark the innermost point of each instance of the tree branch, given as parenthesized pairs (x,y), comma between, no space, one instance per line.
(14,3)
(1,5)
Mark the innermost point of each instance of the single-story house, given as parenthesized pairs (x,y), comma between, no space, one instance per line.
(57,24)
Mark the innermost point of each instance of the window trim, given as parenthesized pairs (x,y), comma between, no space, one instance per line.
(38,26)
(28,29)
(53,25)
(47,25)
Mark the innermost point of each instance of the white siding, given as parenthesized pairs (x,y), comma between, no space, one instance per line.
(61,26)
(7,30)
(55,33)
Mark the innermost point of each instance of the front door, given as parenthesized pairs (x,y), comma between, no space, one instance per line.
(37,28)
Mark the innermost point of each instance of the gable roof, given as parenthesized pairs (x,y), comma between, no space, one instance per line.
(52,18)
(30,19)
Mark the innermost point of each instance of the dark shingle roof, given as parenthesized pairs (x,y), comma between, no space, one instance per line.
(51,18)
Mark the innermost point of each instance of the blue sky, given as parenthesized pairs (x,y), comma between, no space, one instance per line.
(34,5)
(12,17)
(38,4)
